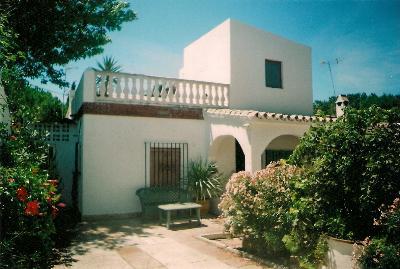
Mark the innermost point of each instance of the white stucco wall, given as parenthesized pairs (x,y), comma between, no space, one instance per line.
(235,53)
(208,58)
(284,142)
(222,151)
(113,160)
(250,47)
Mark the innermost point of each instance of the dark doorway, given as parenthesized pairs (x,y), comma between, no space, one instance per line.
(239,156)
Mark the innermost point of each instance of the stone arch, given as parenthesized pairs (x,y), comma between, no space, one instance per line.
(224,151)
(279,147)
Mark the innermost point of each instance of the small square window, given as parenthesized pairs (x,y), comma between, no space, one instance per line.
(273,74)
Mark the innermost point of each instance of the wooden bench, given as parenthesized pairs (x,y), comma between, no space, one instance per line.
(168,208)
(152,197)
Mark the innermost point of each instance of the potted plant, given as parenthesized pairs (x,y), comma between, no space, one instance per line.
(203,182)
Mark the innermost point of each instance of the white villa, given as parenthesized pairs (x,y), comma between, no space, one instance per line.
(240,100)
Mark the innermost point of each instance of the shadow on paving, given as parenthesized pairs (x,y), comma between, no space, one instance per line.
(108,234)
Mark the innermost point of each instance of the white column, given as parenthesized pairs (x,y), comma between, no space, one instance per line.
(252,159)
(89,86)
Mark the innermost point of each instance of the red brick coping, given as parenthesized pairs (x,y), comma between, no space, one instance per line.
(140,111)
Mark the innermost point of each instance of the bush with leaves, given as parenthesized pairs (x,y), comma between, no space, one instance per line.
(352,168)
(382,251)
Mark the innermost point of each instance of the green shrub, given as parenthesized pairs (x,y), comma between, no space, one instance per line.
(383,250)
(352,168)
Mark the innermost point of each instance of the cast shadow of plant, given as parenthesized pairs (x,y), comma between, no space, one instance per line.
(108,234)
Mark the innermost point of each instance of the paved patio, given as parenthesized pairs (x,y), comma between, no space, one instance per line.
(130,243)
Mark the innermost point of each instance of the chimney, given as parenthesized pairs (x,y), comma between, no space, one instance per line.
(341,103)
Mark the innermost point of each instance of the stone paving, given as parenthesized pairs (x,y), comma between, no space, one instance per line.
(130,243)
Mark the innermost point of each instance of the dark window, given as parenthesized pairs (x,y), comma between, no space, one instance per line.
(273,74)
(166,164)
(276,155)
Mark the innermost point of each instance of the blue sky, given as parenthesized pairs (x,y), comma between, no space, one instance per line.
(364,35)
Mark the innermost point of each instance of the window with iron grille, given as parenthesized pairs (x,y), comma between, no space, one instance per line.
(166,164)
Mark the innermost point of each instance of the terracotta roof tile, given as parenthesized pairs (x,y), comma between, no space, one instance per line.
(267,115)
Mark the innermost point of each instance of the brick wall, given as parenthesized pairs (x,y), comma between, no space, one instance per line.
(140,111)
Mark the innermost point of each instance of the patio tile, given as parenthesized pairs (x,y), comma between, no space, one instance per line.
(138,259)
(131,244)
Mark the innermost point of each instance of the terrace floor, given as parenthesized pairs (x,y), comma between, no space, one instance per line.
(131,243)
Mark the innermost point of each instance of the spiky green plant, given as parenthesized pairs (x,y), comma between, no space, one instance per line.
(108,64)
(204,180)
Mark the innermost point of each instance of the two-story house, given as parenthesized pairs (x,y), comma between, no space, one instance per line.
(240,100)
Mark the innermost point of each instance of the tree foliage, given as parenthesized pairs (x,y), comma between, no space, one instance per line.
(28,103)
(52,33)
(358,101)
(353,168)
(7,37)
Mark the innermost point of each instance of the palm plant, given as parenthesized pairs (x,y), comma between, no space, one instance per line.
(109,64)
(204,180)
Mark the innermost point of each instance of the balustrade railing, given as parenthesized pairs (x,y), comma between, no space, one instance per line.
(142,89)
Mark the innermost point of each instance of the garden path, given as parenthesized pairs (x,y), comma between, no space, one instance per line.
(130,243)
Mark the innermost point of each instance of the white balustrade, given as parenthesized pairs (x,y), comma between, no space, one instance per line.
(142,89)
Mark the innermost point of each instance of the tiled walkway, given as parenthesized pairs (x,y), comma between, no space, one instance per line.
(129,243)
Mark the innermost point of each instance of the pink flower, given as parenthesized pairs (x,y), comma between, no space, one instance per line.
(62,205)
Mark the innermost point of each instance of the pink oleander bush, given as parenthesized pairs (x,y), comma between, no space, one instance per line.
(256,207)
(267,210)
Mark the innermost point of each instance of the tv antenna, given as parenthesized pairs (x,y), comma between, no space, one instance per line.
(328,62)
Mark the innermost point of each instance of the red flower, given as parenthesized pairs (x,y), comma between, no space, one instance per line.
(62,205)
(32,208)
(22,194)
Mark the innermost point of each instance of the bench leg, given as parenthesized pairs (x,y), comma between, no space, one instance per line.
(198,215)
(168,218)
(160,216)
